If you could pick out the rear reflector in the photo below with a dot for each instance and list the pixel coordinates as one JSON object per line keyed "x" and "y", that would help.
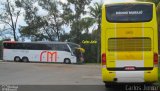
{"x": 155, "y": 58}
{"x": 104, "y": 59}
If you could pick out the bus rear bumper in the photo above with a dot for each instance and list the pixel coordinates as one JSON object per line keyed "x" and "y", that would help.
{"x": 130, "y": 76}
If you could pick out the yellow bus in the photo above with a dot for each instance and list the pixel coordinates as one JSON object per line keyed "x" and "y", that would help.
{"x": 129, "y": 43}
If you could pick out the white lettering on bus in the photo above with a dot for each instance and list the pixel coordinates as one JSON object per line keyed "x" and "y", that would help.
{"x": 122, "y": 12}
{"x": 129, "y": 12}
{"x": 135, "y": 12}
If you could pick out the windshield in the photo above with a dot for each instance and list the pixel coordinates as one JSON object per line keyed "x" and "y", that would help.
{"x": 73, "y": 47}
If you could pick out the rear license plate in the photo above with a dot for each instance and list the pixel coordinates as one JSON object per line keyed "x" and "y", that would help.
{"x": 130, "y": 68}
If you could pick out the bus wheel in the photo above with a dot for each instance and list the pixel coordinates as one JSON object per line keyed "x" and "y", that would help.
{"x": 25, "y": 59}
{"x": 67, "y": 61}
{"x": 17, "y": 59}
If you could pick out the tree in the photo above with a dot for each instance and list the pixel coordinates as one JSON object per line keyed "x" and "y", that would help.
{"x": 87, "y": 23}
{"x": 54, "y": 16}
{"x": 95, "y": 12}
{"x": 42, "y": 27}
{"x": 9, "y": 16}
{"x": 34, "y": 22}
{"x": 72, "y": 15}
{"x": 154, "y": 1}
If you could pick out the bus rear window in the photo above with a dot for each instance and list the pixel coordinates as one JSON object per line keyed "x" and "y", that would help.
{"x": 129, "y": 12}
{"x": 129, "y": 44}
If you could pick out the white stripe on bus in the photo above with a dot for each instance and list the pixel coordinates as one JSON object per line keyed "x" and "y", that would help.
{"x": 123, "y": 63}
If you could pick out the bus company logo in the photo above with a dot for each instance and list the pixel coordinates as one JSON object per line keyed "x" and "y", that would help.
{"x": 49, "y": 55}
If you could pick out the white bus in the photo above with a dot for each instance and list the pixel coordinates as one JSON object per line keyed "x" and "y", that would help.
{"x": 40, "y": 51}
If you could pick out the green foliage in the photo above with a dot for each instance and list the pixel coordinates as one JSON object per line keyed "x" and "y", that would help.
{"x": 91, "y": 49}
{"x": 95, "y": 12}
{"x": 18, "y": 3}
{"x": 87, "y": 22}
{"x": 79, "y": 25}
{"x": 34, "y": 30}
{"x": 154, "y": 1}
{"x": 46, "y": 27}
{"x": 50, "y": 26}
{"x": 65, "y": 37}
{"x": 72, "y": 17}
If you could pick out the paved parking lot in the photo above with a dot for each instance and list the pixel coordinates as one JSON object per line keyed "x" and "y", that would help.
{"x": 49, "y": 74}
{"x": 52, "y": 77}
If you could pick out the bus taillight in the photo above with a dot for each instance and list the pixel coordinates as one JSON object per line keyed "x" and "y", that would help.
{"x": 156, "y": 59}
{"x": 104, "y": 59}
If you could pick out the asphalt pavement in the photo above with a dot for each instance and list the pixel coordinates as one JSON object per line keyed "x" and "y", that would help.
{"x": 16, "y": 76}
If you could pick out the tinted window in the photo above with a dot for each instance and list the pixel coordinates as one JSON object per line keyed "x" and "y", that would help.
{"x": 73, "y": 47}
{"x": 129, "y": 44}
{"x": 62, "y": 47}
{"x": 129, "y": 12}
{"x": 7, "y": 45}
{"x": 36, "y": 46}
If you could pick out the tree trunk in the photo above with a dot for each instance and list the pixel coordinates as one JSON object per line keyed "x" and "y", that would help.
{"x": 13, "y": 26}
{"x": 14, "y": 34}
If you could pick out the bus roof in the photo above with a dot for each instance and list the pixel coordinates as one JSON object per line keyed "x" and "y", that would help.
{"x": 135, "y": 2}
{"x": 41, "y": 42}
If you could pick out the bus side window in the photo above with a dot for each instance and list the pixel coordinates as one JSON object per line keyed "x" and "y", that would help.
{"x": 16, "y": 46}
{"x": 65, "y": 48}
{"x": 53, "y": 46}
{"x": 47, "y": 46}
{"x": 13, "y": 46}
{"x": 28, "y": 46}
{"x": 5, "y": 45}
{"x": 62, "y": 47}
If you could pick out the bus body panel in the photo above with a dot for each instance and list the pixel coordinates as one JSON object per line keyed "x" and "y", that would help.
{"x": 123, "y": 57}
{"x": 116, "y": 61}
{"x": 40, "y": 51}
{"x": 130, "y": 76}
{"x": 39, "y": 55}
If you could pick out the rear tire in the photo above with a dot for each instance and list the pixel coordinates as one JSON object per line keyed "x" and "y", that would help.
{"x": 67, "y": 61}
{"x": 25, "y": 59}
{"x": 17, "y": 59}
